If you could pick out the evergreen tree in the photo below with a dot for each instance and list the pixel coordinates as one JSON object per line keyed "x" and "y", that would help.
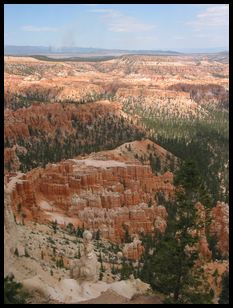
{"x": 13, "y": 293}
{"x": 126, "y": 269}
{"x": 127, "y": 238}
{"x": 78, "y": 232}
{"x": 70, "y": 228}
{"x": 212, "y": 242}
{"x": 158, "y": 164}
{"x": 113, "y": 270}
{"x": 102, "y": 269}
{"x": 97, "y": 237}
{"x": 79, "y": 253}
{"x": 224, "y": 297}
{"x": 172, "y": 253}
{"x": 54, "y": 226}
{"x": 150, "y": 203}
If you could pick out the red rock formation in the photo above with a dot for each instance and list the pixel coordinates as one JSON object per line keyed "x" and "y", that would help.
{"x": 203, "y": 93}
{"x": 100, "y": 193}
{"x": 134, "y": 250}
{"x": 11, "y": 160}
{"x": 203, "y": 247}
{"x": 214, "y": 272}
{"x": 220, "y": 227}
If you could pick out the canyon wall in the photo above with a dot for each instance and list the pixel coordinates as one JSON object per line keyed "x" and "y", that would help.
{"x": 96, "y": 192}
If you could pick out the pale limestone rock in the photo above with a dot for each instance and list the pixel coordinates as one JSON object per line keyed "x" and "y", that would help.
{"x": 21, "y": 250}
{"x": 87, "y": 267}
{"x": 10, "y": 232}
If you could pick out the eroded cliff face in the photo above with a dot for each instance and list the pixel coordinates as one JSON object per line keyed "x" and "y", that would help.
{"x": 66, "y": 107}
{"x": 101, "y": 191}
{"x": 220, "y": 227}
{"x": 51, "y": 132}
{"x": 214, "y": 94}
{"x": 174, "y": 85}
{"x": 213, "y": 270}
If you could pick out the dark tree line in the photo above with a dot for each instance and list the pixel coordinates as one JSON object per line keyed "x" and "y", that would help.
{"x": 104, "y": 133}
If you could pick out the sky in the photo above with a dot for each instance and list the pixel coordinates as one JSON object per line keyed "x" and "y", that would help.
{"x": 118, "y": 26}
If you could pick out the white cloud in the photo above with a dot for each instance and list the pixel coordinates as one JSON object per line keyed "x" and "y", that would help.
{"x": 118, "y": 22}
{"x": 136, "y": 39}
{"x": 30, "y": 28}
{"x": 213, "y": 17}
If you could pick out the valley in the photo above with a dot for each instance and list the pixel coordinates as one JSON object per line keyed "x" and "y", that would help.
{"x": 98, "y": 145}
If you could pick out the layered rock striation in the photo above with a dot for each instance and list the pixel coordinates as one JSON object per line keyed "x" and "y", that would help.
{"x": 95, "y": 192}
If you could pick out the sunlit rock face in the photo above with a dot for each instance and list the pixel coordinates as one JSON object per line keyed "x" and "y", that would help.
{"x": 103, "y": 191}
{"x": 87, "y": 267}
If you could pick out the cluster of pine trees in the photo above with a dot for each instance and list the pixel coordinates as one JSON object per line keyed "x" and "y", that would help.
{"x": 202, "y": 139}
{"x": 104, "y": 133}
{"x": 167, "y": 264}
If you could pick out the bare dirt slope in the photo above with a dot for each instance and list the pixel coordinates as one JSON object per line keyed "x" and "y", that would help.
{"x": 111, "y": 297}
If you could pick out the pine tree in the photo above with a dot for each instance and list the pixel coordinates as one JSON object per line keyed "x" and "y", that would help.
{"x": 126, "y": 269}
{"x": 127, "y": 238}
{"x": 179, "y": 279}
{"x": 97, "y": 237}
{"x": 123, "y": 270}
{"x": 70, "y": 228}
{"x": 54, "y": 226}
{"x": 150, "y": 203}
{"x": 224, "y": 297}
{"x": 13, "y": 293}
{"x": 79, "y": 253}
{"x": 113, "y": 270}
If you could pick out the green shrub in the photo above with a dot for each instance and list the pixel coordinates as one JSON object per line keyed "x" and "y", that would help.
{"x": 13, "y": 293}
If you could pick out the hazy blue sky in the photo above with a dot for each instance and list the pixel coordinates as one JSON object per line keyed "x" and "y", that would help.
{"x": 122, "y": 26}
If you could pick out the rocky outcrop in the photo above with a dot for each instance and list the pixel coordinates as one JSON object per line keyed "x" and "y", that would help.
{"x": 98, "y": 192}
{"x": 220, "y": 227}
{"x": 11, "y": 160}
{"x": 203, "y": 246}
{"x": 10, "y": 231}
{"x": 214, "y": 272}
{"x": 134, "y": 250}
{"x": 51, "y": 132}
{"x": 204, "y": 93}
{"x": 69, "y": 291}
{"x": 87, "y": 267}
{"x": 46, "y": 118}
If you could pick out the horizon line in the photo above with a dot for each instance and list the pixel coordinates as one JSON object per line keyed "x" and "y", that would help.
{"x": 119, "y": 49}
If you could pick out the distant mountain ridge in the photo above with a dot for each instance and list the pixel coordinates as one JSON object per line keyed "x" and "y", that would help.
{"x": 43, "y": 50}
